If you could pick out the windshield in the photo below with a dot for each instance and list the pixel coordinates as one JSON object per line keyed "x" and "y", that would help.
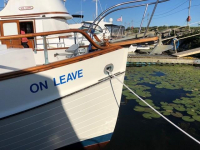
{"x": 86, "y": 25}
{"x": 116, "y": 30}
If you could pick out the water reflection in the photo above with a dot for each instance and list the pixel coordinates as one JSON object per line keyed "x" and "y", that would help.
{"x": 133, "y": 131}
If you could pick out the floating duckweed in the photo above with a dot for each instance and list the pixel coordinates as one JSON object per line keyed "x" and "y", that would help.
{"x": 192, "y": 113}
{"x": 147, "y": 116}
{"x": 166, "y": 113}
{"x": 176, "y": 77}
{"x": 142, "y": 104}
{"x": 173, "y": 105}
{"x": 188, "y": 119}
{"x": 167, "y": 107}
{"x": 129, "y": 95}
{"x": 155, "y": 115}
{"x": 151, "y": 115}
{"x": 170, "y": 111}
{"x": 189, "y": 105}
{"x": 139, "y": 109}
{"x": 164, "y": 103}
{"x": 150, "y": 102}
{"x": 152, "y": 82}
{"x": 197, "y": 118}
{"x": 142, "y": 109}
{"x": 178, "y": 101}
{"x": 177, "y": 114}
{"x": 180, "y": 108}
{"x": 194, "y": 93}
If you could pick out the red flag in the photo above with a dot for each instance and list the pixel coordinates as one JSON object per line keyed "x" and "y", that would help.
{"x": 119, "y": 19}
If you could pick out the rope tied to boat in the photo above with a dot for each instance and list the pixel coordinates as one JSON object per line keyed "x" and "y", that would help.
{"x": 113, "y": 76}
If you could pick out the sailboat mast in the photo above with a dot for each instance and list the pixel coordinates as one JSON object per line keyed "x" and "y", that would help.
{"x": 189, "y": 17}
{"x": 96, "y": 8}
{"x": 5, "y": 2}
{"x": 81, "y": 11}
{"x": 189, "y": 12}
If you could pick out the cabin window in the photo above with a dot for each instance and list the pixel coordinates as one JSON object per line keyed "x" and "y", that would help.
{"x": 27, "y": 26}
{"x": 10, "y": 28}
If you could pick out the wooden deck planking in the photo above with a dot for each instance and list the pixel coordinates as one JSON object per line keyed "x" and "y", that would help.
{"x": 188, "y": 52}
{"x": 159, "y": 59}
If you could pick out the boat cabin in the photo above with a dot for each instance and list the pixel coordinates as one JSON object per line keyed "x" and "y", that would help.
{"x": 32, "y": 17}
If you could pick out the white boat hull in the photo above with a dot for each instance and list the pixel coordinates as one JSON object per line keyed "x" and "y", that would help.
{"x": 71, "y": 112}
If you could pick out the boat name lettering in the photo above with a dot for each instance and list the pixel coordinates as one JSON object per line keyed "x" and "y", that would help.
{"x": 36, "y": 87}
{"x": 67, "y": 78}
{"x": 26, "y": 8}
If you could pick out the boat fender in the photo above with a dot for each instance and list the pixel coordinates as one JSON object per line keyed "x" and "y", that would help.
{"x": 177, "y": 43}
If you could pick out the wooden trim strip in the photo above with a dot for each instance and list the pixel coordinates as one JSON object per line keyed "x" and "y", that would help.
{"x": 27, "y": 16}
{"x": 54, "y": 32}
{"x": 54, "y": 65}
{"x": 96, "y": 38}
{"x": 123, "y": 43}
{"x": 31, "y": 15}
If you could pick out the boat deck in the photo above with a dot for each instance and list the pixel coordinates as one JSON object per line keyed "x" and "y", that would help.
{"x": 187, "y": 53}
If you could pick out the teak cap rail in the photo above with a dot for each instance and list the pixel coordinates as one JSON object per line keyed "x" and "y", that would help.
{"x": 54, "y": 32}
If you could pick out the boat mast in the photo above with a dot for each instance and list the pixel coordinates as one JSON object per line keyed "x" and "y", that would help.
{"x": 96, "y": 8}
{"x": 64, "y": 2}
{"x": 189, "y": 18}
{"x": 5, "y": 2}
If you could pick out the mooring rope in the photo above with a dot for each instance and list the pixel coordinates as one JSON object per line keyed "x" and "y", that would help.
{"x": 112, "y": 75}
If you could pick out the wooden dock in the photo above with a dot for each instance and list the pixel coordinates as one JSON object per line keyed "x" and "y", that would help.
{"x": 161, "y": 59}
{"x": 187, "y": 53}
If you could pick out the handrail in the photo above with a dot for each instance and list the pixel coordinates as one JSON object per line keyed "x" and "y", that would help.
{"x": 108, "y": 9}
{"x": 54, "y": 32}
{"x": 128, "y": 8}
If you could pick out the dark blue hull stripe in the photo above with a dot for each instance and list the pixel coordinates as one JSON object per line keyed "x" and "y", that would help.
{"x": 97, "y": 140}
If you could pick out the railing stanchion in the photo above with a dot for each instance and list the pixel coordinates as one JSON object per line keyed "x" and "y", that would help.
{"x": 45, "y": 50}
{"x": 75, "y": 34}
{"x": 35, "y": 45}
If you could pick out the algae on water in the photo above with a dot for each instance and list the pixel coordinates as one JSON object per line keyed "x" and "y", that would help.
{"x": 186, "y": 78}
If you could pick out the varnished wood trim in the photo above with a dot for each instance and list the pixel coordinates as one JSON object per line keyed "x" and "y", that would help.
{"x": 54, "y": 32}
{"x": 96, "y": 38}
{"x": 123, "y": 43}
{"x": 134, "y": 41}
{"x": 31, "y": 15}
{"x": 26, "y": 16}
{"x": 57, "y": 64}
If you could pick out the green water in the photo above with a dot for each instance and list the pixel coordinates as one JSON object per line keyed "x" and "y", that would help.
{"x": 172, "y": 90}
{"x": 186, "y": 78}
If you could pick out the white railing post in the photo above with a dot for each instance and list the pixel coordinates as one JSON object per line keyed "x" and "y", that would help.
{"x": 45, "y": 50}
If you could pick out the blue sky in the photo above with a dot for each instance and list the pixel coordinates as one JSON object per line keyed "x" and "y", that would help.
{"x": 173, "y": 12}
